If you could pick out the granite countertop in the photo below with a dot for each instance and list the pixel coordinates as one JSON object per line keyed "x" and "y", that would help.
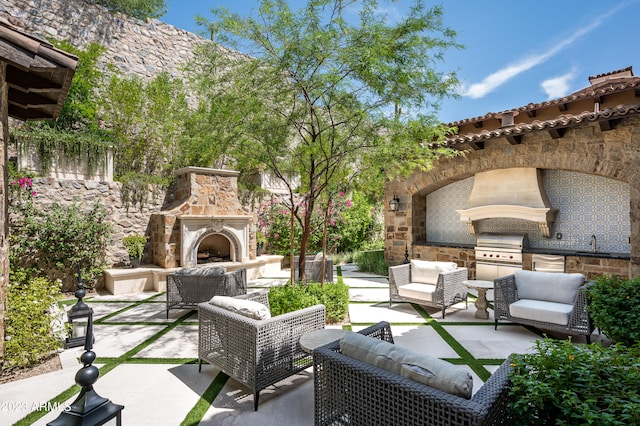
{"x": 559, "y": 252}
{"x": 583, "y": 253}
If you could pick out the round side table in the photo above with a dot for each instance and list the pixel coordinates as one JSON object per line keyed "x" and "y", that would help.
{"x": 481, "y": 286}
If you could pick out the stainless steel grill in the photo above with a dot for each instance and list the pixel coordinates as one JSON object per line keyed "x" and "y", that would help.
{"x": 498, "y": 255}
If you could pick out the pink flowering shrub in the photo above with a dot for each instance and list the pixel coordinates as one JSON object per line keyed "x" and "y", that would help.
{"x": 349, "y": 224}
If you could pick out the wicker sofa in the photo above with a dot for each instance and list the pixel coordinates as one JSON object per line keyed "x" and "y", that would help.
{"x": 352, "y": 392}
{"x": 256, "y": 352}
{"x": 547, "y": 300}
{"x": 430, "y": 283}
{"x": 189, "y": 286}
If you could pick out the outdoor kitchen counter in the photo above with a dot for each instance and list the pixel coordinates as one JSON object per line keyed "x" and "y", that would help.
{"x": 559, "y": 252}
{"x": 582, "y": 253}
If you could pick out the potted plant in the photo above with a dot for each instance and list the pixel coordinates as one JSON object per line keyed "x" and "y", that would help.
{"x": 135, "y": 247}
{"x": 261, "y": 239}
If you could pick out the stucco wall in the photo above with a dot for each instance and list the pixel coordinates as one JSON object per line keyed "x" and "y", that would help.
{"x": 587, "y": 149}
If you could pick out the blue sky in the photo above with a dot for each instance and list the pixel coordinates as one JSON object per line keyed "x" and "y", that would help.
{"x": 515, "y": 53}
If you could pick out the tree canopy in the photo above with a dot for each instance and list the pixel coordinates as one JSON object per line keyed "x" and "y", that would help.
{"x": 141, "y": 9}
{"x": 327, "y": 96}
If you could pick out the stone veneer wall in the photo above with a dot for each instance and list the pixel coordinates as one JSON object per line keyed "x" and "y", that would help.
{"x": 587, "y": 149}
{"x": 133, "y": 46}
{"x": 126, "y": 221}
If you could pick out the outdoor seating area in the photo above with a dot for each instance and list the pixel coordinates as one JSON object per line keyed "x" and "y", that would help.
{"x": 150, "y": 364}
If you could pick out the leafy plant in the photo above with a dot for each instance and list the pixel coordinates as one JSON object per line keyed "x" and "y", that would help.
{"x": 31, "y": 303}
{"x": 135, "y": 245}
{"x": 59, "y": 238}
{"x": 372, "y": 261}
{"x": 288, "y": 298}
{"x": 615, "y": 307}
{"x": 566, "y": 384}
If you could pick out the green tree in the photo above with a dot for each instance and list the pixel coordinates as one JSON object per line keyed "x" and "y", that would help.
{"x": 324, "y": 99}
{"x": 141, "y": 9}
{"x": 146, "y": 121}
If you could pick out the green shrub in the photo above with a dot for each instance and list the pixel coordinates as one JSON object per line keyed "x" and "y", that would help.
{"x": 34, "y": 326}
{"x": 615, "y": 308}
{"x": 289, "y": 298}
{"x": 566, "y": 384}
{"x": 56, "y": 239}
{"x": 372, "y": 261}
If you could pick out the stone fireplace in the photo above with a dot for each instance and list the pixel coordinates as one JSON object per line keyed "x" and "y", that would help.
{"x": 206, "y": 223}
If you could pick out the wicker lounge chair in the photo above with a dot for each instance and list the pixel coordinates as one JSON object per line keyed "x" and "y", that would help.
{"x": 189, "y": 286}
{"x": 438, "y": 290}
{"x": 257, "y": 353}
{"x": 351, "y": 392}
{"x": 547, "y": 300}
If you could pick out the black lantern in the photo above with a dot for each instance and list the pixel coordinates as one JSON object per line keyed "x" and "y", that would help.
{"x": 89, "y": 408}
{"x": 394, "y": 203}
{"x": 78, "y": 317}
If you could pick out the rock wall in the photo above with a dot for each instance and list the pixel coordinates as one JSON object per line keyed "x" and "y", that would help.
{"x": 133, "y": 46}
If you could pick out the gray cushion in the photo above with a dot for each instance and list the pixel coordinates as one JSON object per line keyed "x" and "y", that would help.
{"x": 540, "y": 310}
{"x": 247, "y": 308}
{"x": 421, "y": 368}
{"x": 556, "y": 287}
{"x": 210, "y": 272}
{"x": 427, "y": 271}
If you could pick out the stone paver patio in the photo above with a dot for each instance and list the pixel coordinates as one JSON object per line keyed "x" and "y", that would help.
{"x": 148, "y": 363}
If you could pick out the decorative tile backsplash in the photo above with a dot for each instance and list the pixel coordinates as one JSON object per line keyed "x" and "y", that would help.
{"x": 587, "y": 205}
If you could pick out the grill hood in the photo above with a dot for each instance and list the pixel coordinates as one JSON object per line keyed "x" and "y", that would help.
{"x": 515, "y": 193}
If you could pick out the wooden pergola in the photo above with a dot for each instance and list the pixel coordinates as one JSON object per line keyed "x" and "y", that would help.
{"x": 34, "y": 81}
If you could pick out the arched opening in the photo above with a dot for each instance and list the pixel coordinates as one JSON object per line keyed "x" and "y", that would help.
{"x": 214, "y": 248}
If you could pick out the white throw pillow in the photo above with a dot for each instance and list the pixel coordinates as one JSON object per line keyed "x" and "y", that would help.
{"x": 421, "y": 368}
{"x": 247, "y": 308}
{"x": 427, "y": 271}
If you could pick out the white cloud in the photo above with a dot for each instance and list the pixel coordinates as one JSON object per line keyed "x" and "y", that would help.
{"x": 498, "y": 78}
{"x": 558, "y": 87}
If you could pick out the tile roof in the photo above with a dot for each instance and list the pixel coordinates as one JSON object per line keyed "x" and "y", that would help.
{"x": 602, "y": 85}
{"x": 562, "y": 121}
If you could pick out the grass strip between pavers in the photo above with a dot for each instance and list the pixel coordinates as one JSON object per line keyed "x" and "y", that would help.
{"x": 198, "y": 411}
{"x": 465, "y": 356}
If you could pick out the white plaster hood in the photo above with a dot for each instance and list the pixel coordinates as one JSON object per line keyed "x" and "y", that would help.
{"x": 515, "y": 193}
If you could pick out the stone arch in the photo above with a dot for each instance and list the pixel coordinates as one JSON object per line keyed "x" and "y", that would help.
{"x": 208, "y": 232}
{"x": 586, "y": 149}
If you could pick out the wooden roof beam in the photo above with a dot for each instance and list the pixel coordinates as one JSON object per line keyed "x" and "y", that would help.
{"x": 27, "y": 100}
{"x": 557, "y": 133}
{"x": 477, "y": 146}
{"x": 29, "y": 82}
{"x": 514, "y": 139}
